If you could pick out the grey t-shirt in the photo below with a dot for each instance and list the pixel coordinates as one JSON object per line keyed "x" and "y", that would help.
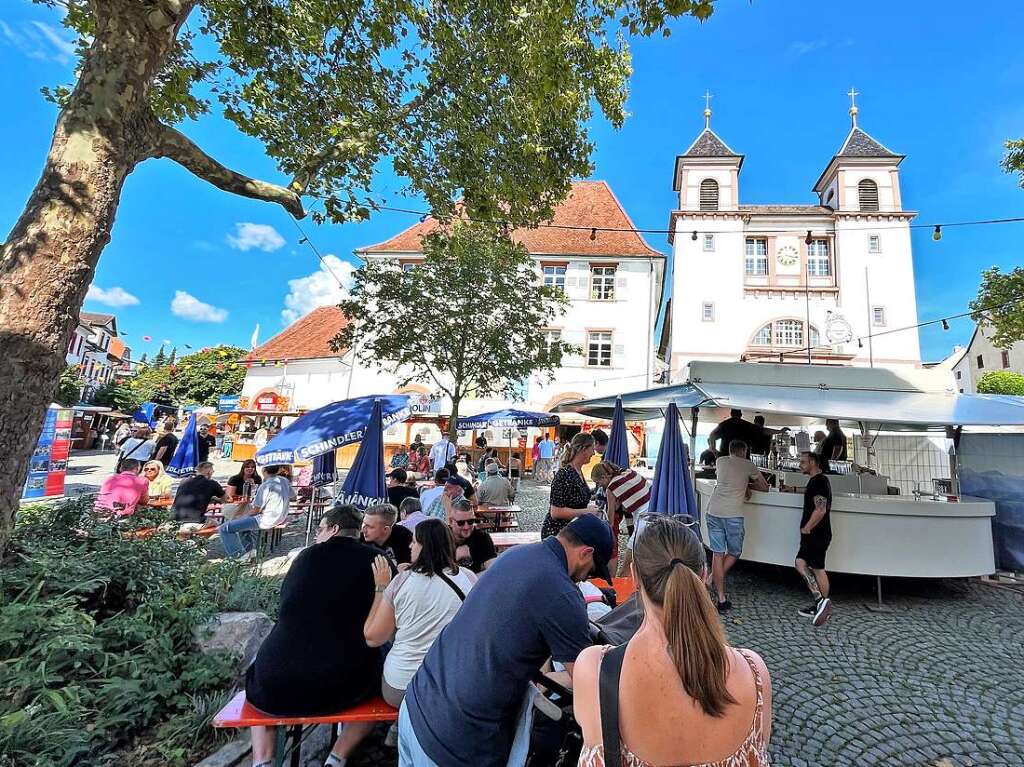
{"x": 730, "y": 495}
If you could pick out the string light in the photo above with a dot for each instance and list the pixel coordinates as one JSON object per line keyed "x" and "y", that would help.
{"x": 694, "y": 237}
{"x": 937, "y": 234}
{"x": 945, "y": 324}
{"x": 807, "y": 239}
{"x": 593, "y": 233}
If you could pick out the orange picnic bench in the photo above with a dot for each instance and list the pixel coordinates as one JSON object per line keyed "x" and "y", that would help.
{"x": 239, "y": 713}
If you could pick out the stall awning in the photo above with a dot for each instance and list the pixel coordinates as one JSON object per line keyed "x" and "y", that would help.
{"x": 900, "y": 401}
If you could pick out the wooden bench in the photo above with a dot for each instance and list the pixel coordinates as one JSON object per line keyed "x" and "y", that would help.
{"x": 149, "y": 532}
{"x": 239, "y": 713}
{"x": 504, "y": 541}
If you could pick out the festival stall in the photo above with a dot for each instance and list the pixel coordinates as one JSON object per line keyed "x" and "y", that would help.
{"x": 925, "y": 535}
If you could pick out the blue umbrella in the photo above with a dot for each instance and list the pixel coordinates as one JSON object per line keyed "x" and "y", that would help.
{"x": 506, "y": 419}
{"x": 324, "y": 469}
{"x": 186, "y": 456}
{"x": 617, "y": 452}
{"x": 327, "y": 428}
{"x": 672, "y": 490}
{"x": 365, "y": 484}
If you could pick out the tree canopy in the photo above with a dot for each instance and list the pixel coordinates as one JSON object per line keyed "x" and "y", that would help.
{"x": 478, "y": 307}
{"x": 1001, "y": 382}
{"x": 1000, "y": 305}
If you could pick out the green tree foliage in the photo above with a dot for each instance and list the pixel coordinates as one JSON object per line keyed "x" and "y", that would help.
{"x": 1000, "y": 305}
{"x": 70, "y": 386}
{"x": 160, "y": 359}
{"x": 1013, "y": 160}
{"x": 174, "y": 356}
{"x": 96, "y": 636}
{"x": 202, "y": 377}
{"x": 479, "y": 309}
{"x": 142, "y": 359}
{"x": 1001, "y": 382}
{"x": 153, "y": 384}
{"x": 120, "y": 395}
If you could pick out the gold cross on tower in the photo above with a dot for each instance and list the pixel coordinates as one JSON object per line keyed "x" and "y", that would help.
{"x": 707, "y": 108}
{"x": 853, "y": 94}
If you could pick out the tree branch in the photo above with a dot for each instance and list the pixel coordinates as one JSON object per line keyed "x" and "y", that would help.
{"x": 170, "y": 143}
{"x": 303, "y": 178}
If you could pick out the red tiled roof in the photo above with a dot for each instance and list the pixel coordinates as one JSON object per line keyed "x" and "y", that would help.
{"x": 307, "y": 338}
{"x": 589, "y": 204}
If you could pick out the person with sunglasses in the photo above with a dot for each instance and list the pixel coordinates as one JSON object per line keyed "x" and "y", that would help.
{"x": 473, "y": 547}
{"x": 159, "y": 480}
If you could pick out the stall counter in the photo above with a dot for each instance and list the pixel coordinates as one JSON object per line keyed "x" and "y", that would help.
{"x": 873, "y": 534}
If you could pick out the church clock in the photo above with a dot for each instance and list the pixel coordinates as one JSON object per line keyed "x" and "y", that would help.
{"x": 787, "y": 255}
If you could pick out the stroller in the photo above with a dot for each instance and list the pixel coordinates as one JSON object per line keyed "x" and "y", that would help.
{"x": 556, "y": 739}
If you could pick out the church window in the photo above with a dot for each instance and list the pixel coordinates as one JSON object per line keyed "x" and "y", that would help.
{"x": 764, "y": 336}
{"x": 602, "y": 283}
{"x": 874, "y": 243}
{"x": 709, "y": 243}
{"x": 709, "y": 194}
{"x": 784, "y": 332}
{"x": 756, "y": 262}
{"x": 867, "y": 192}
{"x": 818, "y": 262}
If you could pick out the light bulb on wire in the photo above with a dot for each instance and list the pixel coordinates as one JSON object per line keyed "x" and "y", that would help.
{"x": 593, "y": 234}
{"x": 807, "y": 240}
{"x": 694, "y": 237}
{"x": 945, "y": 324}
{"x": 937, "y": 234}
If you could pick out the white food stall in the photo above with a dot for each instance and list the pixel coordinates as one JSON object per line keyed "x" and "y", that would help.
{"x": 878, "y": 534}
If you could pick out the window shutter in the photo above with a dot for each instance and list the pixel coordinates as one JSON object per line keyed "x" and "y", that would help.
{"x": 867, "y": 193}
{"x": 709, "y": 194}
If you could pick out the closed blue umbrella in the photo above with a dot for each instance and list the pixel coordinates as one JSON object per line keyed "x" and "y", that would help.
{"x": 672, "y": 489}
{"x": 324, "y": 469}
{"x": 332, "y": 426}
{"x": 617, "y": 451}
{"x": 365, "y": 484}
{"x": 186, "y": 456}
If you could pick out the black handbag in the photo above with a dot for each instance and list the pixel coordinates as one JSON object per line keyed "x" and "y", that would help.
{"x": 618, "y": 626}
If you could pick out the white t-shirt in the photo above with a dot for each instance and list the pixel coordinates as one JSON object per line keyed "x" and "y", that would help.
{"x": 424, "y": 604}
{"x": 734, "y": 475}
{"x": 272, "y": 500}
{"x": 142, "y": 454}
{"x": 442, "y": 452}
{"x": 430, "y": 495}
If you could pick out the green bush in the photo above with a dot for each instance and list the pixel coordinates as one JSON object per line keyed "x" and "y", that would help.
{"x": 1001, "y": 382}
{"x": 96, "y": 637}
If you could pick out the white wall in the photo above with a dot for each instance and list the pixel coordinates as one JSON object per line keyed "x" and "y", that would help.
{"x": 992, "y": 356}
{"x": 725, "y": 175}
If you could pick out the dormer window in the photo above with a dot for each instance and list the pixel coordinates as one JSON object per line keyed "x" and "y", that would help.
{"x": 867, "y": 193}
{"x": 709, "y": 194}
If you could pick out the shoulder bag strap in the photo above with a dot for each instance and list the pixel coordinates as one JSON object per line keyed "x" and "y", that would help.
{"x": 450, "y": 582}
{"x": 608, "y": 688}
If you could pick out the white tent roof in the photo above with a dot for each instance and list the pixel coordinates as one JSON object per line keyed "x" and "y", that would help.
{"x": 916, "y": 400}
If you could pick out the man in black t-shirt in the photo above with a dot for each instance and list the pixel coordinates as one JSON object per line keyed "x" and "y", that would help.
{"x": 398, "y": 490}
{"x": 733, "y": 427}
{"x": 167, "y": 444}
{"x": 204, "y": 442}
{"x": 833, "y": 447}
{"x": 195, "y": 494}
{"x": 380, "y": 529}
{"x": 473, "y": 548}
{"x": 815, "y": 537}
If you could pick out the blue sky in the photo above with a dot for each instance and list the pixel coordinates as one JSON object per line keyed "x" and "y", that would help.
{"x": 940, "y": 82}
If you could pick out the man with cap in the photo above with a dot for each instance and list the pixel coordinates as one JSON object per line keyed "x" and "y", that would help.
{"x": 441, "y": 506}
{"x": 495, "y": 490}
{"x": 398, "y": 489}
{"x": 461, "y": 708}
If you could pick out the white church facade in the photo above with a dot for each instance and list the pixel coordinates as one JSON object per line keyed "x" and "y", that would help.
{"x": 792, "y": 283}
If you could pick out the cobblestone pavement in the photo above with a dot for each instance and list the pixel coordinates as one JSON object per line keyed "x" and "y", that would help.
{"x": 939, "y": 682}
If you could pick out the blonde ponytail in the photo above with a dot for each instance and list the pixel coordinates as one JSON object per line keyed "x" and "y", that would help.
{"x": 580, "y": 442}
{"x": 668, "y": 557}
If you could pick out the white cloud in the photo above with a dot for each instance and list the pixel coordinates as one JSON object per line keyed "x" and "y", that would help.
{"x": 320, "y": 288}
{"x": 38, "y": 41}
{"x": 260, "y": 236}
{"x": 114, "y": 296}
{"x": 803, "y": 47}
{"x": 189, "y": 307}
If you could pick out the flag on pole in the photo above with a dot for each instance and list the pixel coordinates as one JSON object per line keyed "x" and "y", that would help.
{"x": 255, "y": 337}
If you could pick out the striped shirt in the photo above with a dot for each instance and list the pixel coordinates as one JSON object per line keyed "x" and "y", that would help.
{"x": 631, "y": 491}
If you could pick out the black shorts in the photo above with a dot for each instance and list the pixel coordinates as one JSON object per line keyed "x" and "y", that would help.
{"x": 813, "y": 549}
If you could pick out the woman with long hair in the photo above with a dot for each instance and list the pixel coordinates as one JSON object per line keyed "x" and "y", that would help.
{"x": 415, "y": 605}
{"x": 684, "y": 695}
{"x": 159, "y": 480}
{"x": 245, "y": 482}
{"x": 570, "y": 493}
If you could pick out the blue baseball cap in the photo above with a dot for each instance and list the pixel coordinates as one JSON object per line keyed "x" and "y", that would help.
{"x": 593, "y": 531}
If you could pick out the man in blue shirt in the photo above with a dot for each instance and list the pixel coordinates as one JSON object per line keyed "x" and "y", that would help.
{"x": 545, "y": 452}
{"x": 461, "y": 707}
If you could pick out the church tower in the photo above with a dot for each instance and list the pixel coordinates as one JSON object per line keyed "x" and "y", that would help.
{"x": 707, "y": 173}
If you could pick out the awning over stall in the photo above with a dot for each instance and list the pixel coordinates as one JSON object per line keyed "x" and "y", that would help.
{"x": 915, "y": 400}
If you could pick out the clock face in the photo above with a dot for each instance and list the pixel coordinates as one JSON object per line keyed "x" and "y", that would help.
{"x": 787, "y": 255}
{"x": 838, "y": 330}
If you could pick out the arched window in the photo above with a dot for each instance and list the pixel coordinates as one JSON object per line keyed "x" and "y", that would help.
{"x": 784, "y": 333}
{"x": 709, "y": 194}
{"x": 867, "y": 192}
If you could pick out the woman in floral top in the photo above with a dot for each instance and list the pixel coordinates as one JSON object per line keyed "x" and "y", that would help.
{"x": 570, "y": 493}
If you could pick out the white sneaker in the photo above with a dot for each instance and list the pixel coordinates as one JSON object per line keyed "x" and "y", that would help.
{"x": 823, "y": 612}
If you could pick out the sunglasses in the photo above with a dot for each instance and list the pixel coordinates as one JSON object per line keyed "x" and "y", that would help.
{"x": 464, "y": 522}
{"x": 152, "y": 469}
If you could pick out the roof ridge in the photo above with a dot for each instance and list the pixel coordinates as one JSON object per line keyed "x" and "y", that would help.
{"x": 707, "y": 129}
{"x": 857, "y": 129}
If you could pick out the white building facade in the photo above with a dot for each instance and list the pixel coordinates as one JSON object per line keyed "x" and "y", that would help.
{"x": 982, "y": 356}
{"x": 792, "y": 283}
{"x": 614, "y": 283}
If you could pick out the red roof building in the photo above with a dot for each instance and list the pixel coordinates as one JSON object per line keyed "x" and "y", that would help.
{"x": 305, "y": 339}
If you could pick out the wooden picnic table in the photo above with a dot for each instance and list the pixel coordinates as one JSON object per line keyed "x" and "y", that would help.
{"x": 504, "y": 541}
{"x": 159, "y": 503}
